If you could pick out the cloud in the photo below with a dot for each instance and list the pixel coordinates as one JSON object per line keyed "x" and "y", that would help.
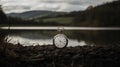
{"x": 54, "y": 5}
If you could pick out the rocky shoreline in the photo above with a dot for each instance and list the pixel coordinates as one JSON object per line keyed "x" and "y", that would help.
{"x": 49, "y": 56}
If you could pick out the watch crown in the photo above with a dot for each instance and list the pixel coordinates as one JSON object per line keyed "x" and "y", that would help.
{"x": 60, "y": 29}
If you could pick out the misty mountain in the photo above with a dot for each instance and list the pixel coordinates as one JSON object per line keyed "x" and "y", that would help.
{"x": 36, "y": 14}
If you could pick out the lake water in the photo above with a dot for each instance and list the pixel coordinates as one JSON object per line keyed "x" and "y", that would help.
{"x": 35, "y": 38}
{"x": 38, "y": 38}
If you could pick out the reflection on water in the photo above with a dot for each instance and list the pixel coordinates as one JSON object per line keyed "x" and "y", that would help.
{"x": 27, "y": 39}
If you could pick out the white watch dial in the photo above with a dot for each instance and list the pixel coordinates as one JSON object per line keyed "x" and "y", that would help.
{"x": 60, "y": 41}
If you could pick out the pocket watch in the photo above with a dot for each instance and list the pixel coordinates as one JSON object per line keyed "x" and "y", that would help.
{"x": 60, "y": 40}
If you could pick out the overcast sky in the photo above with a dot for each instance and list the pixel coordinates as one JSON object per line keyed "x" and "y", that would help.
{"x": 11, "y": 6}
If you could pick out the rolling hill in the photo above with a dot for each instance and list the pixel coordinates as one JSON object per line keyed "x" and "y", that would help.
{"x": 36, "y": 14}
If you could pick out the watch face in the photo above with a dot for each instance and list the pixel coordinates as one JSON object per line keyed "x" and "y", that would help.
{"x": 60, "y": 41}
